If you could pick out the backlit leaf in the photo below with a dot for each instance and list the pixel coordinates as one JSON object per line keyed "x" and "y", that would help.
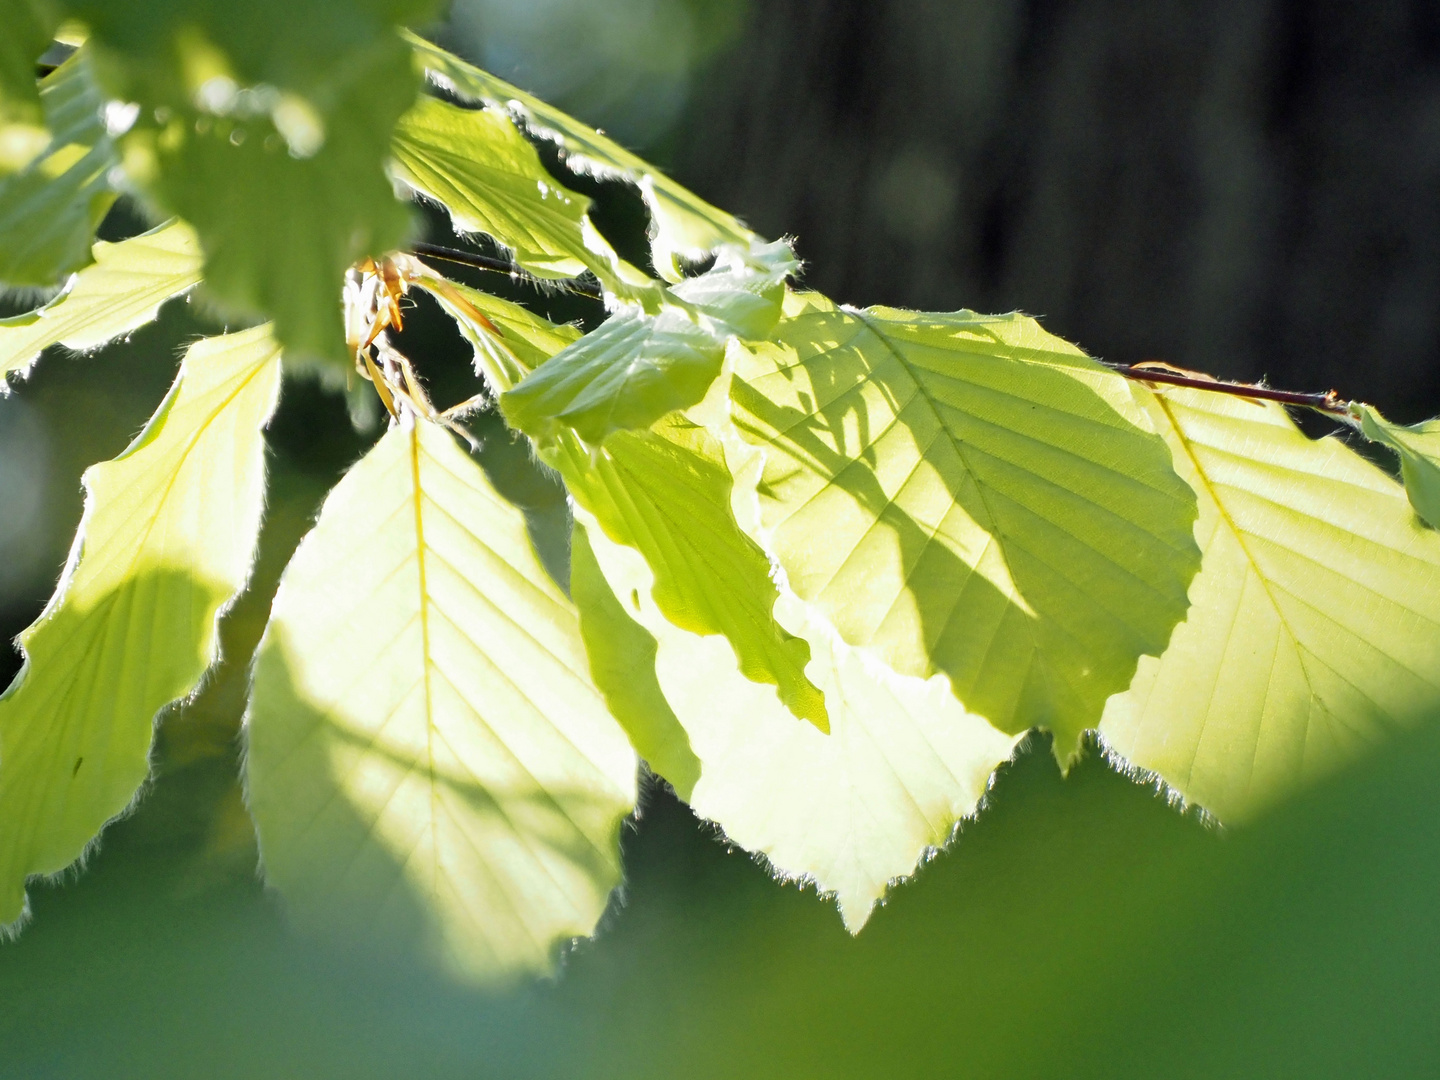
{"x": 684, "y": 225}
{"x": 1314, "y": 627}
{"x": 622, "y": 663}
{"x": 120, "y": 292}
{"x": 271, "y": 144}
{"x": 429, "y": 764}
{"x": 967, "y": 494}
{"x": 488, "y": 176}
{"x": 852, "y": 810}
{"x": 166, "y": 541}
{"x": 49, "y": 208}
{"x": 639, "y": 365}
{"x": 1419, "y": 450}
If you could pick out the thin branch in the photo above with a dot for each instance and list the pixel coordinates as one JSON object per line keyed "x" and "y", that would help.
{"x": 489, "y": 262}
{"x": 1329, "y": 402}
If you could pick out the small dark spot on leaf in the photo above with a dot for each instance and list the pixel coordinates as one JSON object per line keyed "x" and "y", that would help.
{"x": 75, "y": 770}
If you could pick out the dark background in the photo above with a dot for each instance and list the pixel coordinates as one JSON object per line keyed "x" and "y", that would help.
{"x": 1250, "y": 188}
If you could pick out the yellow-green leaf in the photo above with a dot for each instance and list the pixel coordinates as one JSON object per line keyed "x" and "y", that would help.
{"x": 666, "y": 493}
{"x": 968, "y": 494}
{"x": 850, "y": 811}
{"x": 488, "y": 176}
{"x": 622, "y": 662}
{"x": 429, "y": 765}
{"x": 1314, "y": 627}
{"x": 685, "y": 226}
{"x": 120, "y": 292}
{"x": 1419, "y": 450}
{"x": 166, "y": 540}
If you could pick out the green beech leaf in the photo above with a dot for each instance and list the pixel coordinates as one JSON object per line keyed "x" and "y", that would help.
{"x": 1314, "y": 627}
{"x": 272, "y": 145}
{"x": 685, "y": 226}
{"x": 488, "y": 176}
{"x": 638, "y": 366}
{"x": 968, "y": 494}
{"x": 630, "y": 371}
{"x": 1419, "y": 450}
{"x": 666, "y": 493}
{"x": 622, "y": 663}
{"x": 852, "y": 810}
{"x": 121, "y": 291}
{"x": 29, "y": 25}
{"x": 49, "y": 208}
{"x": 166, "y": 541}
{"x": 428, "y": 762}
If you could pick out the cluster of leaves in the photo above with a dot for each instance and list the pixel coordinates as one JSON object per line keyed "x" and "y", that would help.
{"x": 828, "y": 565}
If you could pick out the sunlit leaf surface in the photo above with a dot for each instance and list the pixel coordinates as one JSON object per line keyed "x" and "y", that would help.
{"x": 968, "y": 494}
{"x": 487, "y": 175}
{"x": 851, "y": 810}
{"x": 685, "y": 226}
{"x": 1314, "y": 629}
{"x": 167, "y": 539}
{"x": 428, "y": 763}
{"x": 121, "y": 291}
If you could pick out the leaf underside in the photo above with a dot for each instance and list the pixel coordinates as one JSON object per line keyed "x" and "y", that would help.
{"x": 1314, "y": 629}
{"x": 166, "y": 541}
{"x": 1418, "y": 447}
{"x": 969, "y": 495}
{"x": 428, "y": 764}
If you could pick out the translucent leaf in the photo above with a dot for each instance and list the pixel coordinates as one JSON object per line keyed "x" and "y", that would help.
{"x": 49, "y": 209}
{"x": 637, "y": 366}
{"x": 684, "y": 225}
{"x": 967, "y": 494}
{"x": 488, "y": 176}
{"x": 120, "y": 292}
{"x": 622, "y": 663}
{"x": 429, "y": 764}
{"x": 166, "y": 540}
{"x": 1419, "y": 450}
{"x": 271, "y": 144}
{"x": 627, "y": 373}
{"x": 666, "y": 493}
{"x": 852, "y": 810}
{"x": 1314, "y": 628}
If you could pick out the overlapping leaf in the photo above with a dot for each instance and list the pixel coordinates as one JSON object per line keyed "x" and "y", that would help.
{"x": 622, "y": 662}
{"x": 852, "y": 810}
{"x": 967, "y": 494}
{"x": 50, "y": 207}
{"x": 639, "y": 365}
{"x": 665, "y": 493}
{"x": 272, "y": 145}
{"x": 28, "y": 26}
{"x": 1419, "y": 449}
{"x": 167, "y": 539}
{"x": 428, "y": 762}
{"x": 684, "y": 225}
{"x": 476, "y": 164}
{"x": 1314, "y": 627}
{"x": 121, "y": 291}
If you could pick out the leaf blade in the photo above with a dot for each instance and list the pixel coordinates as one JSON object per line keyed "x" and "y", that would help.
{"x": 1418, "y": 447}
{"x": 167, "y": 540}
{"x": 422, "y": 688}
{"x": 121, "y": 291}
{"x": 1314, "y": 626}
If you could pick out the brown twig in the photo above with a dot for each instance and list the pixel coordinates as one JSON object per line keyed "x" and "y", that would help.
{"x": 1329, "y": 402}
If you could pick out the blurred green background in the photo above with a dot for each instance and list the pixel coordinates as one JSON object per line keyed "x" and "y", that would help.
{"x": 1249, "y": 187}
